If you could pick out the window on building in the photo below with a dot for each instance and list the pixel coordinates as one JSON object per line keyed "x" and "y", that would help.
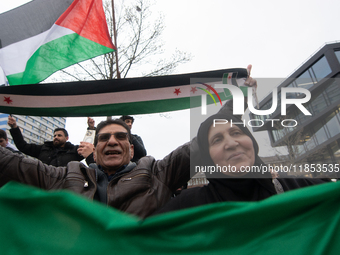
{"x": 333, "y": 91}
{"x": 318, "y": 104}
{"x": 332, "y": 124}
{"x": 304, "y": 80}
{"x": 337, "y": 54}
{"x": 321, "y": 68}
{"x": 320, "y": 133}
{"x": 276, "y": 135}
{"x": 336, "y": 151}
{"x": 309, "y": 141}
{"x": 20, "y": 122}
{"x": 299, "y": 149}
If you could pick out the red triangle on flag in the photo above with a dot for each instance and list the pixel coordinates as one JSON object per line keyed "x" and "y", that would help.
{"x": 87, "y": 18}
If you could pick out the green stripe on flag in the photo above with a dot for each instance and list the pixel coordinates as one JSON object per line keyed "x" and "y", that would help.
{"x": 142, "y": 107}
{"x": 56, "y": 55}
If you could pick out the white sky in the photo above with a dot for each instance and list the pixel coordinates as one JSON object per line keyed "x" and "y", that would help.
{"x": 276, "y": 37}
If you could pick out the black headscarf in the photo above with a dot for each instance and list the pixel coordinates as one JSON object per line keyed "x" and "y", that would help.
{"x": 225, "y": 188}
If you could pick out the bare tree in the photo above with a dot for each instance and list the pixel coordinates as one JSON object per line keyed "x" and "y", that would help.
{"x": 140, "y": 46}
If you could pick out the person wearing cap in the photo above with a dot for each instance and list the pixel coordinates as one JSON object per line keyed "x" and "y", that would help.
{"x": 137, "y": 141}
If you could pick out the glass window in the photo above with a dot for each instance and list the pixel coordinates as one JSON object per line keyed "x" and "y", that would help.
{"x": 336, "y": 151}
{"x": 321, "y": 68}
{"x": 337, "y": 54}
{"x": 276, "y": 135}
{"x": 299, "y": 149}
{"x": 257, "y": 122}
{"x": 304, "y": 80}
{"x": 302, "y": 117}
{"x": 320, "y": 133}
{"x": 333, "y": 91}
{"x": 318, "y": 104}
{"x": 290, "y": 95}
{"x": 20, "y": 122}
{"x": 309, "y": 141}
{"x": 332, "y": 124}
{"x": 321, "y": 156}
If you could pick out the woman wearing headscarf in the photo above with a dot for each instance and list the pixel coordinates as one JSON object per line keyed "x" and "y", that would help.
{"x": 231, "y": 146}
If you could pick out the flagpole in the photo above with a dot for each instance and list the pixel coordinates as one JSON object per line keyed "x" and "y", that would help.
{"x": 115, "y": 38}
{"x": 115, "y": 43}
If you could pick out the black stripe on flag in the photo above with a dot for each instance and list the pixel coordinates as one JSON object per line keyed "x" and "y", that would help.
{"x": 30, "y": 19}
{"x": 116, "y": 85}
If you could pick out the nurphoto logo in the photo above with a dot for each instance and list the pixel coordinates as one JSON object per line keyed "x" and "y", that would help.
{"x": 238, "y": 102}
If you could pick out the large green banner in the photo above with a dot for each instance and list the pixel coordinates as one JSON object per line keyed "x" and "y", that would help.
{"x": 304, "y": 221}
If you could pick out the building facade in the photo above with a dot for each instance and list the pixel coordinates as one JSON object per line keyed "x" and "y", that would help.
{"x": 35, "y": 130}
{"x": 315, "y": 138}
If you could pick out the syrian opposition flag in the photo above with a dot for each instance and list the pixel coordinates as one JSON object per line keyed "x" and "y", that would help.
{"x": 116, "y": 97}
{"x": 44, "y": 36}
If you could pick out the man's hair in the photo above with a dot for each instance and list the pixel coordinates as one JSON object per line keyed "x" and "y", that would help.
{"x": 105, "y": 123}
{"x": 127, "y": 117}
{"x": 61, "y": 129}
{"x": 3, "y": 134}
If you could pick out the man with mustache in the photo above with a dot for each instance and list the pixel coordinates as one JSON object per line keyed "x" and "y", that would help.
{"x": 58, "y": 152}
{"x": 138, "y": 188}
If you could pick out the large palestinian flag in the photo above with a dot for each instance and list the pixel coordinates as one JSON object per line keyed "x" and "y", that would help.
{"x": 44, "y": 36}
{"x": 120, "y": 96}
{"x": 303, "y": 221}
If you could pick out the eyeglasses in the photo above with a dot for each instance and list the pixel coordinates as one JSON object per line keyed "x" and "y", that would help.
{"x": 104, "y": 137}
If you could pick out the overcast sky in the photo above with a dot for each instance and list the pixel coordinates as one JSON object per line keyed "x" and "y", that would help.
{"x": 276, "y": 37}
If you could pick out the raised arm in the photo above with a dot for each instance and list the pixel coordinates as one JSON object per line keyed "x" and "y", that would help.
{"x": 27, "y": 148}
{"x": 15, "y": 167}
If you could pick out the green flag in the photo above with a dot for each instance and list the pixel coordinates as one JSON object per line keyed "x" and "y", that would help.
{"x": 304, "y": 221}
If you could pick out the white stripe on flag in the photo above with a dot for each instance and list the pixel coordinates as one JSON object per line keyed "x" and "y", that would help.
{"x": 13, "y": 58}
{"x": 102, "y": 98}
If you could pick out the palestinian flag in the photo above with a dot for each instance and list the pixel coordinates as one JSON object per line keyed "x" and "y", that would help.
{"x": 44, "y": 36}
{"x": 302, "y": 221}
{"x": 114, "y": 97}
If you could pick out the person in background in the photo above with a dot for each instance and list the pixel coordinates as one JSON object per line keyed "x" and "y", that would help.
{"x": 137, "y": 141}
{"x": 4, "y": 142}
{"x": 58, "y": 152}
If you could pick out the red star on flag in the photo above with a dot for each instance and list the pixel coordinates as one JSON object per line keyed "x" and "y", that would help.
{"x": 193, "y": 90}
{"x": 8, "y": 100}
{"x": 177, "y": 91}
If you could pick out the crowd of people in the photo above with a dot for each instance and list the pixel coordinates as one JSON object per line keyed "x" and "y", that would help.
{"x": 120, "y": 174}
